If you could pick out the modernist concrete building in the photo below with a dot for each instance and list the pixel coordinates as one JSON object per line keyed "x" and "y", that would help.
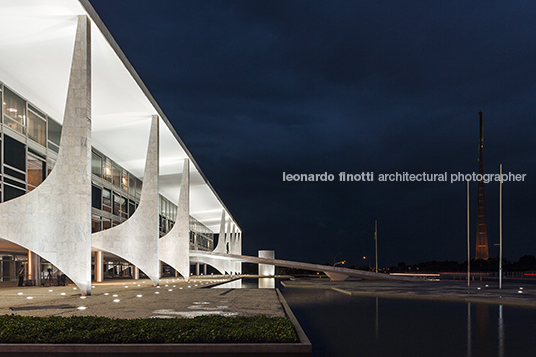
{"x": 95, "y": 181}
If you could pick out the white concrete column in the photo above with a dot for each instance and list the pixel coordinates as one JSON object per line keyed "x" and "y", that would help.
{"x": 204, "y": 269}
{"x": 99, "y": 266}
{"x": 175, "y": 245}
{"x": 135, "y": 272}
{"x": 267, "y": 269}
{"x": 54, "y": 220}
{"x": 136, "y": 239}
{"x": 220, "y": 247}
{"x": 197, "y": 269}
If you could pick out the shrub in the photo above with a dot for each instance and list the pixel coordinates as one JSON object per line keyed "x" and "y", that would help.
{"x": 94, "y": 329}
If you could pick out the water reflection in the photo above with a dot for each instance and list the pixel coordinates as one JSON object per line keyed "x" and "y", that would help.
{"x": 482, "y": 326}
{"x": 266, "y": 283}
{"x": 469, "y": 329}
{"x": 501, "y": 332}
{"x": 341, "y": 325}
{"x": 377, "y": 321}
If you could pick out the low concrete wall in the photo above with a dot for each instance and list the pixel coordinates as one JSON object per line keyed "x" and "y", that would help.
{"x": 193, "y": 349}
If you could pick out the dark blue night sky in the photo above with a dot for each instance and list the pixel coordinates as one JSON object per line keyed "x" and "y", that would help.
{"x": 258, "y": 88}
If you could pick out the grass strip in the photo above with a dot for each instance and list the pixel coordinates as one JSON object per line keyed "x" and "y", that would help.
{"x": 95, "y": 329}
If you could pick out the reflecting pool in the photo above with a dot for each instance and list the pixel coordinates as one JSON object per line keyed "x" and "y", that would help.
{"x": 342, "y": 325}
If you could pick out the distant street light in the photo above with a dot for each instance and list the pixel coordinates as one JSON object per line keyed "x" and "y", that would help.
{"x": 365, "y": 258}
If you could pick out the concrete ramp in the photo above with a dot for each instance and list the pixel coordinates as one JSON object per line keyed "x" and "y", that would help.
{"x": 334, "y": 273}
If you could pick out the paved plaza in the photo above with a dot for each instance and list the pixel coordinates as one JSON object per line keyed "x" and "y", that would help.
{"x": 176, "y": 298}
{"x": 139, "y": 299}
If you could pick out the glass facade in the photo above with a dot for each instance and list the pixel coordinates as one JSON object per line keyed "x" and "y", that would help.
{"x": 29, "y": 143}
{"x": 201, "y": 238}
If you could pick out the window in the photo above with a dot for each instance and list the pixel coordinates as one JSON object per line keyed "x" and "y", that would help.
{"x": 106, "y": 223}
{"x": 119, "y": 203}
{"x": 117, "y": 176}
{"x": 106, "y": 200}
{"x": 96, "y": 164}
{"x": 54, "y": 135}
{"x": 96, "y": 197}
{"x": 36, "y": 171}
{"x": 36, "y": 128}
{"x": 131, "y": 208}
{"x": 107, "y": 174}
{"x": 11, "y": 192}
{"x": 14, "y": 111}
{"x": 123, "y": 203}
{"x": 124, "y": 181}
{"x": 14, "y": 153}
{"x": 96, "y": 224}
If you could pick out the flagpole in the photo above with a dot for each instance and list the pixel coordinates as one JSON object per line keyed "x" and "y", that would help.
{"x": 500, "y": 230}
{"x": 468, "y": 241}
{"x": 376, "y": 242}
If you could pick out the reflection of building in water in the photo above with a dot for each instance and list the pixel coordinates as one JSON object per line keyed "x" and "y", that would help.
{"x": 266, "y": 283}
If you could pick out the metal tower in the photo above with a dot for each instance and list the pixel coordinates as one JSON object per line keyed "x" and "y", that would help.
{"x": 482, "y": 250}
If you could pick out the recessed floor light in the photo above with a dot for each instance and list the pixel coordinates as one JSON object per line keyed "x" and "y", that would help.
{"x": 115, "y": 295}
{"x": 63, "y": 294}
{"x": 83, "y": 297}
{"x": 156, "y": 292}
{"x": 19, "y": 293}
{"x": 116, "y": 300}
{"x": 31, "y": 297}
{"x": 139, "y": 295}
{"x": 106, "y": 293}
{"x": 81, "y": 307}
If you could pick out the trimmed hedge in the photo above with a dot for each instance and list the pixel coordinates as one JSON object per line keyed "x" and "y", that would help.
{"x": 94, "y": 329}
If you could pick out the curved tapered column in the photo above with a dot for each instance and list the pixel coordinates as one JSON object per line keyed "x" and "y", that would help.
{"x": 136, "y": 240}
{"x": 175, "y": 245}
{"x": 220, "y": 247}
{"x": 239, "y": 249}
{"x": 54, "y": 220}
